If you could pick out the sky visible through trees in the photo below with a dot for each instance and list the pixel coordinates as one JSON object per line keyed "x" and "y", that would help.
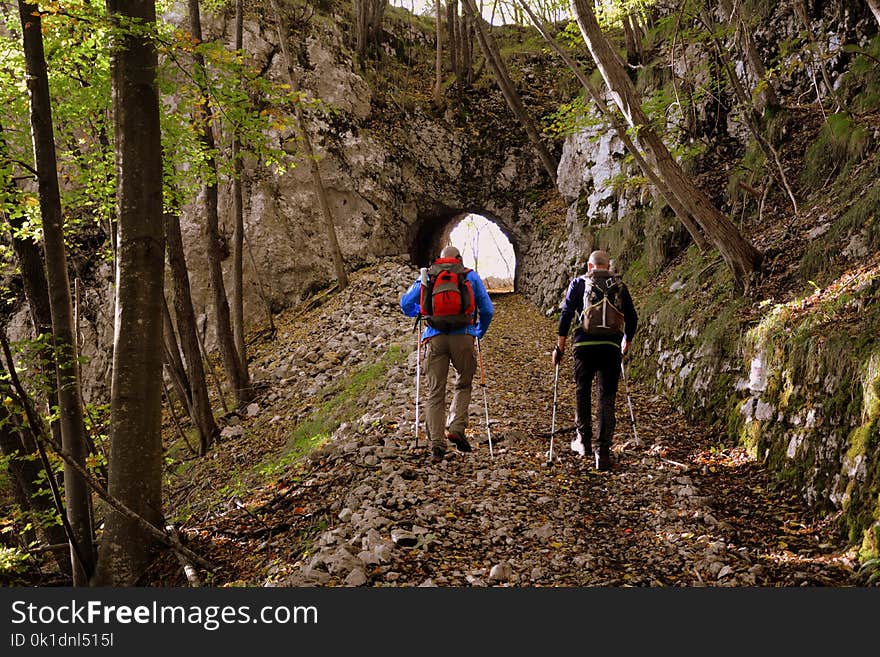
{"x": 426, "y": 8}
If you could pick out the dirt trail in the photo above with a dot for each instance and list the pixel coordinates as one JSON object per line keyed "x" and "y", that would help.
{"x": 369, "y": 509}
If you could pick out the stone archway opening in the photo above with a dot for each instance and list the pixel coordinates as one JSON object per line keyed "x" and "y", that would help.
{"x": 485, "y": 243}
{"x": 485, "y": 248}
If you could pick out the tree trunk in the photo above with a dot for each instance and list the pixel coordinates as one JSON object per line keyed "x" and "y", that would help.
{"x": 36, "y": 292}
{"x": 238, "y": 327}
{"x": 875, "y": 9}
{"x": 174, "y": 363}
{"x": 493, "y": 57}
{"x": 464, "y": 49}
{"x": 302, "y": 128}
{"x": 452, "y": 37}
{"x": 376, "y": 20}
{"x": 817, "y": 58}
{"x": 751, "y": 116}
{"x": 26, "y": 473}
{"x": 71, "y": 413}
{"x": 438, "y": 60}
{"x": 135, "y": 476}
{"x": 360, "y": 28}
{"x": 189, "y": 340}
{"x": 368, "y": 18}
{"x": 631, "y": 40}
{"x": 620, "y": 129}
{"x": 741, "y": 257}
{"x": 766, "y": 97}
{"x": 235, "y": 372}
{"x": 20, "y": 480}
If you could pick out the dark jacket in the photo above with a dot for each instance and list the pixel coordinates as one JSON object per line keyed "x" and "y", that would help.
{"x": 573, "y": 305}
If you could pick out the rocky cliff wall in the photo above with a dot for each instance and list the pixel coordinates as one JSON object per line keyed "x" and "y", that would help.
{"x": 793, "y": 374}
{"x": 397, "y": 179}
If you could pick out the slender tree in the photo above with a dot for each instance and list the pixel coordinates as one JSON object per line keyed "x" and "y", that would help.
{"x": 77, "y": 497}
{"x": 135, "y": 472}
{"x": 619, "y": 127}
{"x": 238, "y": 327}
{"x": 452, "y": 33}
{"x": 816, "y": 56}
{"x": 438, "y": 57}
{"x": 174, "y": 361}
{"x": 303, "y": 133}
{"x": 202, "y": 415}
{"x": 31, "y": 489}
{"x": 36, "y": 292}
{"x": 751, "y": 113}
{"x": 742, "y": 258}
{"x": 368, "y": 25}
{"x": 765, "y": 94}
{"x": 493, "y": 57}
{"x": 235, "y": 370}
{"x": 465, "y": 50}
{"x": 633, "y": 36}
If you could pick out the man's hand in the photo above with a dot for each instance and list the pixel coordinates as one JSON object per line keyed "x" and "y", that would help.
{"x": 624, "y": 346}
{"x": 557, "y": 355}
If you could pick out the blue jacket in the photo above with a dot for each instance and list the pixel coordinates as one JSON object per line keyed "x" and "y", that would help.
{"x": 409, "y": 304}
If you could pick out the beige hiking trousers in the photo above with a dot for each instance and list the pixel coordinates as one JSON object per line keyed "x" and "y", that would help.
{"x": 441, "y": 350}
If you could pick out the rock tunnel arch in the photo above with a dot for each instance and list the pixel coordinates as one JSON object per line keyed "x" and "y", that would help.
{"x": 432, "y": 232}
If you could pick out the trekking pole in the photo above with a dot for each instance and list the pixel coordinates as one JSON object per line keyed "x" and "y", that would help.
{"x": 485, "y": 397}
{"x": 553, "y": 417}
{"x": 632, "y": 416}
{"x": 418, "y": 326}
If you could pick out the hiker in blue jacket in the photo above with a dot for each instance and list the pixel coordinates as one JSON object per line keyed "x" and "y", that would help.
{"x": 449, "y": 339}
{"x": 598, "y": 349}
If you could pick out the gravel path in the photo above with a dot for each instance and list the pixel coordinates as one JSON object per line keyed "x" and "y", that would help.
{"x": 368, "y": 508}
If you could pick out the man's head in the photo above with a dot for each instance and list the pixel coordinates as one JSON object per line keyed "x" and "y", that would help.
{"x": 598, "y": 260}
{"x": 450, "y": 252}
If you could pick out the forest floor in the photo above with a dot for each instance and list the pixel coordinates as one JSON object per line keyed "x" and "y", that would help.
{"x": 366, "y": 507}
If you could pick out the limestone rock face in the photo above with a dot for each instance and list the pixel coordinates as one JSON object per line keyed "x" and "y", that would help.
{"x": 590, "y": 159}
{"x": 397, "y": 182}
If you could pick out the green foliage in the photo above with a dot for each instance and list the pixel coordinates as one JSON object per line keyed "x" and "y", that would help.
{"x": 610, "y": 14}
{"x": 861, "y": 220}
{"x": 570, "y": 118}
{"x": 78, "y": 60}
{"x": 869, "y": 572}
{"x": 232, "y": 91}
{"x": 841, "y": 143}
{"x": 12, "y": 561}
{"x": 860, "y": 83}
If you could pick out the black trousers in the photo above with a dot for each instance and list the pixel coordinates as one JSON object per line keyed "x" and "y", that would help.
{"x": 589, "y": 361}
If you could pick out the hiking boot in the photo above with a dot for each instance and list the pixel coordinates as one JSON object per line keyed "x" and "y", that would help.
{"x": 459, "y": 441}
{"x": 437, "y": 454}
{"x": 603, "y": 459}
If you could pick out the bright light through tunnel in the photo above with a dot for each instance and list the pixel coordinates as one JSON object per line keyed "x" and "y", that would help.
{"x": 487, "y": 250}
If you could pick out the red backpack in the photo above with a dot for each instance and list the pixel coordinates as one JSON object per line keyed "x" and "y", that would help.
{"x": 447, "y": 300}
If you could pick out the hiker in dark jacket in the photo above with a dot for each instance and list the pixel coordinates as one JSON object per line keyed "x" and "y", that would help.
{"x": 597, "y": 350}
{"x": 454, "y": 346}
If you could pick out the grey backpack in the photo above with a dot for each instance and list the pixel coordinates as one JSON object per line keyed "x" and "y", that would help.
{"x": 603, "y": 299}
